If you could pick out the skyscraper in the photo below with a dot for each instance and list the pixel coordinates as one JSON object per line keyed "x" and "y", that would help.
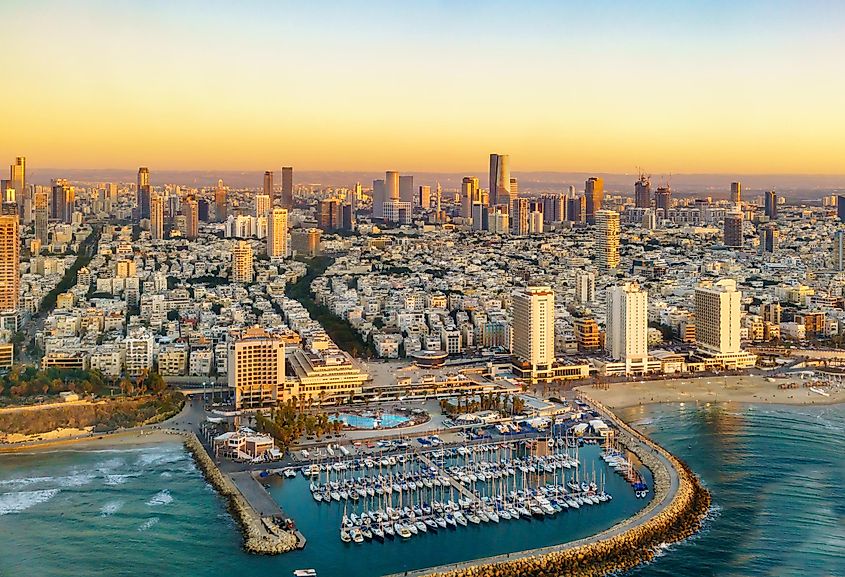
{"x": 406, "y": 189}
{"x": 10, "y": 280}
{"x": 425, "y": 197}
{"x": 268, "y": 186}
{"x": 663, "y": 199}
{"x": 391, "y": 185}
{"x": 262, "y": 205}
{"x": 143, "y": 193}
{"x": 256, "y": 369}
{"x": 242, "y": 262}
{"x": 156, "y": 217}
{"x": 330, "y": 214}
{"x": 534, "y": 327}
{"x": 733, "y": 229}
{"x": 500, "y": 180}
{"x": 287, "y": 187}
{"x": 607, "y": 239}
{"x": 61, "y": 206}
{"x": 470, "y": 195}
{"x": 627, "y": 326}
{"x": 514, "y": 189}
{"x": 839, "y": 250}
{"x": 191, "y": 210}
{"x": 736, "y": 193}
{"x": 717, "y": 316}
{"x": 840, "y": 208}
{"x": 585, "y": 287}
{"x": 771, "y": 205}
{"x": 42, "y": 214}
{"x": 642, "y": 192}
{"x": 594, "y": 191}
{"x": 769, "y": 235}
{"x": 17, "y": 175}
{"x": 520, "y": 216}
{"x": 378, "y": 198}
{"x": 277, "y": 234}
{"x": 220, "y": 204}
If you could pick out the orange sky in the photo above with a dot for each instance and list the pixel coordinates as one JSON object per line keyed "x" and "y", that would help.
{"x": 435, "y": 86}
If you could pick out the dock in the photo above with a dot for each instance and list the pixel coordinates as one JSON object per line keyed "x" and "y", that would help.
{"x": 461, "y": 489}
{"x": 263, "y": 504}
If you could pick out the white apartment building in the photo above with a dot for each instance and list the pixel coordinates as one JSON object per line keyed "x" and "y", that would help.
{"x": 534, "y": 327}
{"x": 627, "y": 326}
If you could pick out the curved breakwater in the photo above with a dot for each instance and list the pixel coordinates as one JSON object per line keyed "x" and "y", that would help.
{"x": 676, "y": 511}
{"x": 261, "y": 535}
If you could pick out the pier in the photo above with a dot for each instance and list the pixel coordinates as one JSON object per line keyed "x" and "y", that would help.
{"x": 461, "y": 489}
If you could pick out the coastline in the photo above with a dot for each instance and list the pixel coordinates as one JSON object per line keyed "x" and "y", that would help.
{"x": 744, "y": 389}
{"x": 96, "y": 441}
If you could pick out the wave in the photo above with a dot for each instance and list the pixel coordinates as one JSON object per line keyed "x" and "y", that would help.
{"x": 148, "y": 523}
{"x": 24, "y": 481}
{"x": 111, "y": 508}
{"x": 116, "y": 479}
{"x": 75, "y": 479}
{"x": 161, "y": 498}
{"x": 161, "y": 457}
{"x": 21, "y": 501}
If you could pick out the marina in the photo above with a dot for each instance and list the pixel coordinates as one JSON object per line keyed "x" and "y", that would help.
{"x": 415, "y": 493}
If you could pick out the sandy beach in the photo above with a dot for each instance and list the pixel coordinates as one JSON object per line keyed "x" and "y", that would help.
{"x": 94, "y": 441}
{"x": 737, "y": 389}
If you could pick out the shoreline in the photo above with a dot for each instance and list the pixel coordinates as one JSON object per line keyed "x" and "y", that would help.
{"x": 743, "y": 389}
{"x": 95, "y": 441}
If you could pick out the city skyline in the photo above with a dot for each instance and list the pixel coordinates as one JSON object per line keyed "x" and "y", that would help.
{"x": 715, "y": 88}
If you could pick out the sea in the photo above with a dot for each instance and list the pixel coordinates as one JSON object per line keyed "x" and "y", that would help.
{"x": 776, "y": 474}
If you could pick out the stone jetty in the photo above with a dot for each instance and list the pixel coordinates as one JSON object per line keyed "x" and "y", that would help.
{"x": 262, "y": 536}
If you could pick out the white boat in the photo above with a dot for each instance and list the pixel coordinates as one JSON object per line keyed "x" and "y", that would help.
{"x": 305, "y": 573}
{"x": 402, "y": 531}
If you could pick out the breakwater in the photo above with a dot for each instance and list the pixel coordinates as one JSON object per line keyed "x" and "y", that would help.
{"x": 675, "y": 512}
{"x": 262, "y": 535}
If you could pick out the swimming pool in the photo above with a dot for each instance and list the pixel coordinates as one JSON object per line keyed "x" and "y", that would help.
{"x": 385, "y": 421}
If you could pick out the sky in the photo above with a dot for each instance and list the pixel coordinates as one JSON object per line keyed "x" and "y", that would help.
{"x": 673, "y": 87}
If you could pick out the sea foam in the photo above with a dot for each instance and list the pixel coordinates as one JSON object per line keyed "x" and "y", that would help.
{"x": 17, "y": 502}
{"x": 161, "y": 498}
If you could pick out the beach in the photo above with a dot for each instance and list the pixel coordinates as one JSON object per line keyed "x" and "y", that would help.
{"x": 93, "y": 441}
{"x": 711, "y": 389}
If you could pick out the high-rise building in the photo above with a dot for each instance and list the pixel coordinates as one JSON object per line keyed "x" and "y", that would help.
{"x": 520, "y": 216}
{"x": 470, "y": 195}
{"x": 736, "y": 193}
{"x": 534, "y": 327}
{"x": 354, "y": 198}
{"x": 143, "y": 193}
{"x": 425, "y": 197}
{"x": 839, "y": 250}
{"x": 717, "y": 316}
{"x": 771, "y": 204}
{"x": 607, "y": 239}
{"x": 269, "y": 190}
{"x": 256, "y": 369}
{"x": 10, "y": 279}
{"x": 156, "y": 217}
{"x": 663, "y": 199}
{"x": 220, "y": 204}
{"x": 330, "y": 214}
{"x": 42, "y": 214}
{"x": 242, "y": 262}
{"x": 406, "y": 189}
{"x": 499, "y": 182}
{"x": 585, "y": 287}
{"x": 769, "y": 235}
{"x": 287, "y": 187}
{"x": 190, "y": 208}
{"x": 733, "y": 229}
{"x": 305, "y": 241}
{"x": 594, "y": 193}
{"x": 61, "y": 207}
{"x": 277, "y": 234}
{"x": 378, "y": 198}
{"x": 17, "y": 176}
{"x": 840, "y": 208}
{"x": 514, "y": 188}
{"x": 204, "y": 210}
{"x": 263, "y": 203}
{"x": 642, "y": 192}
{"x": 554, "y": 208}
{"x": 627, "y": 326}
{"x": 391, "y": 185}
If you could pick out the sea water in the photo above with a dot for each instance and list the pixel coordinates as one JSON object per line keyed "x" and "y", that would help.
{"x": 776, "y": 474}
